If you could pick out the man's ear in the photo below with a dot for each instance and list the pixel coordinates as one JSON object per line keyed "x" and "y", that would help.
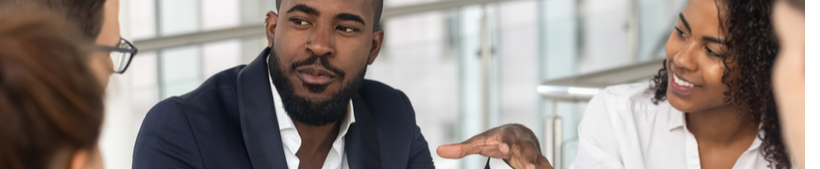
{"x": 378, "y": 39}
{"x": 270, "y": 26}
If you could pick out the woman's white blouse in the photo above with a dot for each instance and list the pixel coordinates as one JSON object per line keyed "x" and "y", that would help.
{"x": 622, "y": 129}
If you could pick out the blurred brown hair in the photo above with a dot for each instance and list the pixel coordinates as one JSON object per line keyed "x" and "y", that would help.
{"x": 50, "y": 102}
{"x": 87, "y": 14}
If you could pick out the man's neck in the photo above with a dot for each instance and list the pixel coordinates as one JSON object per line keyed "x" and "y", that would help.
{"x": 724, "y": 125}
{"x": 316, "y": 139}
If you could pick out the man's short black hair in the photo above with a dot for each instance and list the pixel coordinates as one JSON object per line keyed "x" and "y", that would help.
{"x": 377, "y": 6}
{"x": 87, "y": 14}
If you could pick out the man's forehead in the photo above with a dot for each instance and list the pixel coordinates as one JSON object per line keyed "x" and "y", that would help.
{"x": 363, "y": 7}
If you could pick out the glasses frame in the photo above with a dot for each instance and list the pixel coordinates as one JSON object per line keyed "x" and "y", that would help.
{"x": 133, "y": 51}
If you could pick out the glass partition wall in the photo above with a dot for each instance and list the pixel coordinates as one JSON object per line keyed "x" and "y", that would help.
{"x": 466, "y": 65}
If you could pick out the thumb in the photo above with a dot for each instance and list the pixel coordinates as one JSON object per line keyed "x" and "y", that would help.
{"x": 452, "y": 150}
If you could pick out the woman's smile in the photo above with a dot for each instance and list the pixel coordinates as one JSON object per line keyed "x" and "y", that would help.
{"x": 680, "y": 86}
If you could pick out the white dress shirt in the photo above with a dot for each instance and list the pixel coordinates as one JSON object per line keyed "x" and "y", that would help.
{"x": 623, "y": 129}
{"x": 291, "y": 141}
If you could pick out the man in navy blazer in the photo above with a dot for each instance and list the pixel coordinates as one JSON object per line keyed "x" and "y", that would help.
{"x": 316, "y": 64}
{"x": 304, "y": 103}
{"x": 229, "y": 122}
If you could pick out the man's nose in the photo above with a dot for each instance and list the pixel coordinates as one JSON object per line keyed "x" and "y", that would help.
{"x": 321, "y": 42}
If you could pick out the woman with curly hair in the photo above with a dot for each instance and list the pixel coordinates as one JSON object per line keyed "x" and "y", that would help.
{"x": 710, "y": 106}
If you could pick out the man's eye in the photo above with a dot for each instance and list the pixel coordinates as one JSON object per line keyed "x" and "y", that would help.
{"x": 345, "y": 29}
{"x": 300, "y": 22}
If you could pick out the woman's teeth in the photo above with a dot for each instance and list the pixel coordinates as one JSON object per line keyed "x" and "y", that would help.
{"x": 681, "y": 82}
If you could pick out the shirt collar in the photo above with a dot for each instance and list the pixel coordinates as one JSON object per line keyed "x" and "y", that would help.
{"x": 756, "y": 144}
{"x": 285, "y": 122}
{"x": 677, "y": 120}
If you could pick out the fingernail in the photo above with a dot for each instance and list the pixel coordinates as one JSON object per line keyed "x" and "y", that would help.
{"x": 531, "y": 166}
{"x": 504, "y": 148}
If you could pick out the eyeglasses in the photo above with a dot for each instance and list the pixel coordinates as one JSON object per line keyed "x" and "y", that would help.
{"x": 121, "y": 55}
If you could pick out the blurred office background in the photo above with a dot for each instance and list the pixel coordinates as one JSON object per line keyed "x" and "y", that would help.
{"x": 466, "y": 65}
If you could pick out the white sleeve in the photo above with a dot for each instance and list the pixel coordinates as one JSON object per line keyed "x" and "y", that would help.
{"x": 497, "y": 163}
{"x": 597, "y": 143}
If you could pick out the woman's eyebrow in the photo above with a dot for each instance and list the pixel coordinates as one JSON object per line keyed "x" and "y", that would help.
{"x": 714, "y": 40}
{"x": 683, "y": 19}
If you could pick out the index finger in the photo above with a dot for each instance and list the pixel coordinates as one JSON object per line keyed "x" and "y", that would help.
{"x": 486, "y": 144}
{"x": 452, "y": 151}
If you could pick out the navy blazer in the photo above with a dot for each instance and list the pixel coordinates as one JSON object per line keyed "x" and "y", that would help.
{"x": 229, "y": 122}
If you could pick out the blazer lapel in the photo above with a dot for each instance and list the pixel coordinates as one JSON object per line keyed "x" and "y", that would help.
{"x": 260, "y": 129}
{"x": 361, "y": 142}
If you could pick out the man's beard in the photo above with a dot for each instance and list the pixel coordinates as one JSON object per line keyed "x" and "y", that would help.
{"x": 309, "y": 111}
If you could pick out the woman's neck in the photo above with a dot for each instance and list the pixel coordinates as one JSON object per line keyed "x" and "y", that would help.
{"x": 723, "y": 125}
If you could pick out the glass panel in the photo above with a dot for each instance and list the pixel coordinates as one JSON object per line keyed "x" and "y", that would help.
{"x": 559, "y": 38}
{"x": 143, "y": 100}
{"x": 418, "y": 59}
{"x": 470, "y": 109}
{"x": 560, "y": 41}
{"x": 143, "y": 70}
{"x": 178, "y": 17}
{"x": 252, "y": 47}
{"x": 219, "y": 56}
{"x": 141, "y": 19}
{"x": 518, "y": 49}
{"x": 180, "y": 71}
{"x": 219, "y": 14}
{"x": 253, "y": 11}
{"x": 604, "y": 35}
{"x": 395, "y": 3}
{"x": 144, "y": 86}
{"x": 657, "y": 18}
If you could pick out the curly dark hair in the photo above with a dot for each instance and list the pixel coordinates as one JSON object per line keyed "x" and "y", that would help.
{"x": 751, "y": 40}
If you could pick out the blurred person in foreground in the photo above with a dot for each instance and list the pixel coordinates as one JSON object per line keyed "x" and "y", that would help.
{"x": 789, "y": 76}
{"x": 51, "y": 105}
{"x": 710, "y": 106}
{"x": 98, "y": 21}
{"x": 302, "y": 103}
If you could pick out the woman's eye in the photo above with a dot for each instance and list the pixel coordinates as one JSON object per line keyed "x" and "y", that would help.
{"x": 710, "y": 52}
{"x": 680, "y": 33}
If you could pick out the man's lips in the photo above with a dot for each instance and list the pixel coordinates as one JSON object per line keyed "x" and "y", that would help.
{"x": 315, "y": 74}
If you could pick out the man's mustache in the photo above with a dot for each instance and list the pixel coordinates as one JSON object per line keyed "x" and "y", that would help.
{"x": 323, "y": 61}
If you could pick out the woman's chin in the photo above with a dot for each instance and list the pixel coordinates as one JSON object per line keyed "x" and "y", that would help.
{"x": 680, "y": 104}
